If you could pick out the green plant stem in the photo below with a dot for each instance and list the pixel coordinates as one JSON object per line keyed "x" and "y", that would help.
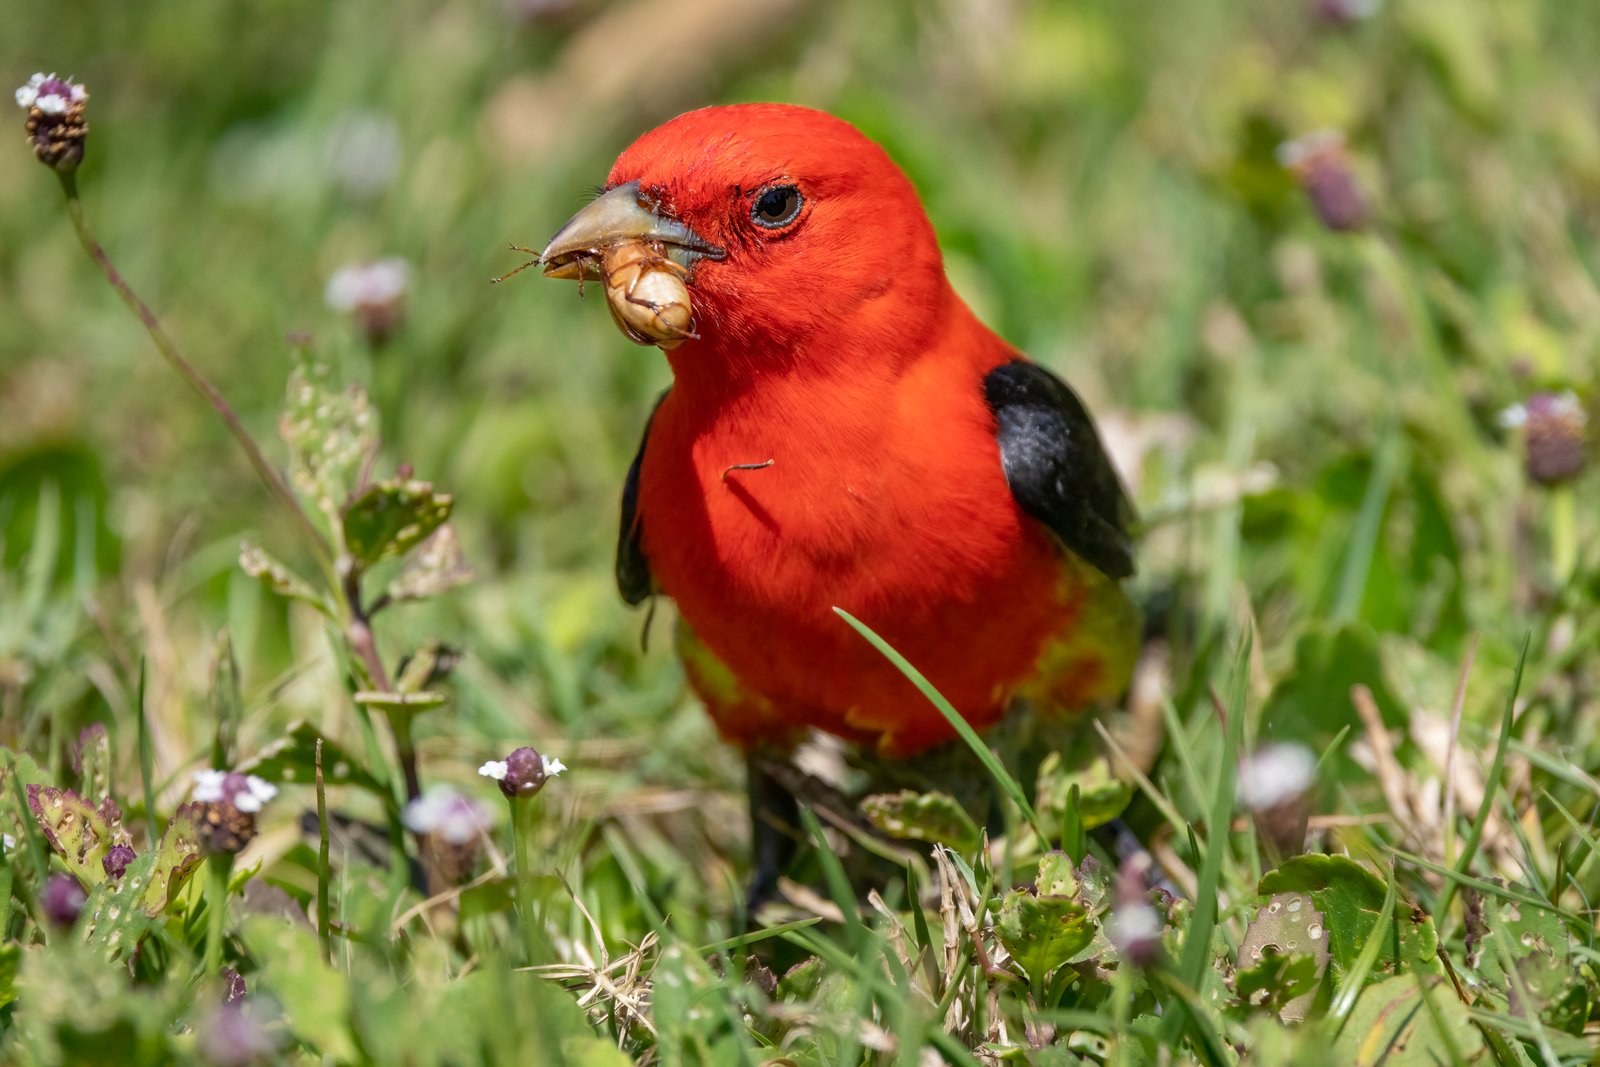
{"x": 1563, "y": 535}
{"x": 220, "y": 867}
{"x": 324, "y": 924}
{"x": 522, "y": 831}
{"x": 196, "y": 381}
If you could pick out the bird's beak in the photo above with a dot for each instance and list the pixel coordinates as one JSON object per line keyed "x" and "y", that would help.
{"x": 620, "y": 215}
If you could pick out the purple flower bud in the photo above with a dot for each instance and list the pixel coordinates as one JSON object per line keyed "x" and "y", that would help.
{"x": 1319, "y": 162}
{"x": 116, "y": 861}
{"x": 62, "y": 899}
{"x": 373, "y": 293}
{"x": 523, "y": 773}
{"x": 1555, "y": 429}
{"x": 55, "y": 123}
{"x": 233, "y": 988}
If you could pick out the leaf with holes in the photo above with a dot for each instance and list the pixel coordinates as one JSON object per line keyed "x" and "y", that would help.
{"x": 1350, "y": 897}
{"x": 71, "y": 826}
{"x": 390, "y": 518}
{"x": 293, "y": 760}
{"x": 912, "y": 816}
{"x": 1046, "y": 926}
{"x": 332, "y": 434}
{"x": 1538, "y": 944}
{"x": 116, "y": 917}
{"x": 1287, "y": 928}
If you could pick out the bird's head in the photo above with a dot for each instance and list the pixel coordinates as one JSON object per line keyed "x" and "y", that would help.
{"x": 785, "y": 224}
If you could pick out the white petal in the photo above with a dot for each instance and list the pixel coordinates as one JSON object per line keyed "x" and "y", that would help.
{"x": 9, "y": 841}
{"x": 552, "y": 766}
{"x": 247, "y": 803}
{"x": 208, "y": 785}
{"x": 51, "y": 104}
{"x": 261, "y": 789}
{"x": 496, "y": 769}
{"x": 1275, "y": 774}
{"x": 26, "y": 96}
{"x": 79, "y": 94}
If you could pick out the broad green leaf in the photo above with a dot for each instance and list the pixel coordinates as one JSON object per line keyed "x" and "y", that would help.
{"x": 913, "y": 816}
{"x": 390, "y": 518}
{"x": 437, "y": 566}
{"x": 293, "y": 760}
{"x": 1350, "y": 898}
{"x": 71, "y": 825}
{"x": 276, "y": 576}
{"x": 1392, "y": 1026}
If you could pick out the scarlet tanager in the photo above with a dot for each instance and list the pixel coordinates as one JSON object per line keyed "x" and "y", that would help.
{"x": 842, "y": 430}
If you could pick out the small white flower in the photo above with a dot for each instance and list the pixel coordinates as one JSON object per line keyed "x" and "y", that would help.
{"x": 1275, "y": 774}
{"x": 1132, "y": 925}
{"x": 1303, "y": 149}
{"x": 552, "y": 766}
{"x": 256, "y": 792}
{"x": 208, "y": 785}
{"x": 368, "y": 284}
{"x": 496, "y": 769}
{"x": 8, "y": 841}
{"x": 51, "y": 104}
{"x": 1513, "y": 417}
{"x": 30, "y": 92}
{"x": 446, "y": 813}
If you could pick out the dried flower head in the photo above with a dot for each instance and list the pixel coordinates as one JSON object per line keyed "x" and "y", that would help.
{"x": 55, "y": 124}
{"x": 523, "y": 773}
{"x": 374, "y": 294}
{"x": 225, "y": 805}
{"x": 1322, "y": 166}
{"x": 62, "y": 899}
{"x": 1555, "y": 434}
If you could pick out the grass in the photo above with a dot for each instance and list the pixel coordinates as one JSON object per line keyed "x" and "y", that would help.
{"x": 1308, "y": 419}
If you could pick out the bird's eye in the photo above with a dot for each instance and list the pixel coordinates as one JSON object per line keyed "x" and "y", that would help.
{"x": 776, "y": 207}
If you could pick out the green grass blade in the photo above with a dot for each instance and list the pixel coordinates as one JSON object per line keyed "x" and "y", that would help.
{"x": 963, "y": 729}
{"x": 1491, "y": 786}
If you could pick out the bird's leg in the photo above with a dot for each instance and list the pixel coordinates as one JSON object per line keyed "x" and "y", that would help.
{"x": 774, "y": 822}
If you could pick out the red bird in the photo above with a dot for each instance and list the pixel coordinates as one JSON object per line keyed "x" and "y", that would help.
{"x": 842, "y": 430}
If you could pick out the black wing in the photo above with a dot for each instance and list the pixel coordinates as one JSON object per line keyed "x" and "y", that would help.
{"x": 1056, "y": 467}
{"x": 633, "y": 569}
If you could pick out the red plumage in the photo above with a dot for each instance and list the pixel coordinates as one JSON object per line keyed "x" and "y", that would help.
{"x": 834, "y": 347}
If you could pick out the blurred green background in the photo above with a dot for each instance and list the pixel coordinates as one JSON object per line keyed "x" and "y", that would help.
{"x": 1308, "y": 418}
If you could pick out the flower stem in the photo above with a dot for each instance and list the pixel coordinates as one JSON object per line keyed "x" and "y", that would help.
{"x": 522, "y": 831}
{"x": 1563, "y": 535}
{"x": 220, "y": 867}
{"x": 186, "y": 370}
